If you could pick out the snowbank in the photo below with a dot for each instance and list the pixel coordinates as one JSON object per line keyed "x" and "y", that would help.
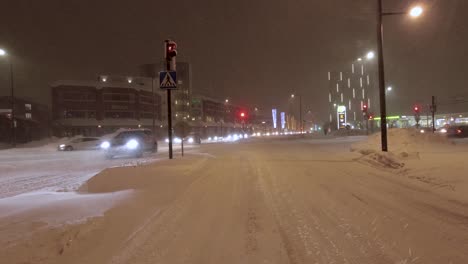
{"x": 403, "y": 144}
{"x": 429, "y": 159}
{"x": 351, "y": 132}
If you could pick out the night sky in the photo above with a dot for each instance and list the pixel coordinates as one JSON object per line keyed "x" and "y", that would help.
{"x": 256, "y": 52}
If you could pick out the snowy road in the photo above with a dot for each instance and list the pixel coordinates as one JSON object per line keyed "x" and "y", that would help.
{"x": 266, "y": 201}
{"x": 24, "y": 170}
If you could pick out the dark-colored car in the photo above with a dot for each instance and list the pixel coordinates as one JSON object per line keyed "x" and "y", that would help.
{"x": 131, "y": 142}
{"x": 457, "y": 131}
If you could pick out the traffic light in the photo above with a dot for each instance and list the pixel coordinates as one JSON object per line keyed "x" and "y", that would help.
{"x": 171, "y": 49}
{"x": 417, "y": 116}
{"x": 242, "y": 115}
{"x": 364, "y": 110}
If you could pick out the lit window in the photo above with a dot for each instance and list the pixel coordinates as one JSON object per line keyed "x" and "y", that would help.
{"x": 28, "y": 115}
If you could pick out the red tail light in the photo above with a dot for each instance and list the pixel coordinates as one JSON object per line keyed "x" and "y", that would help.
{"x": 459, "y": 131}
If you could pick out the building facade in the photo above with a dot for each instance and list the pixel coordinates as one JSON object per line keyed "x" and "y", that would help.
{"x": 32, "y": 120}
{"x": 352, "y": 89}
{"x": 93, "y": 108}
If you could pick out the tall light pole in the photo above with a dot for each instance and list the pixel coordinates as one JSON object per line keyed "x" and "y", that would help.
{"x": 414, "y": 12}
{"x": 301, "y": 126}
{"x": 3, "y": 53}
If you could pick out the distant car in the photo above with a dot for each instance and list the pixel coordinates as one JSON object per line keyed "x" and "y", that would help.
{"x": 425, "y": 130}
{"x": 458, "y": 131}
{"x": 193, "y": 138}
{"x": 81, "y": 143}
{"x": 130, "y": 142}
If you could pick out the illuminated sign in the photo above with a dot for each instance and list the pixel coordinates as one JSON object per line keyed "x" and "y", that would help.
{"x": 273, "y": 112}
{"x": 283, "y": 120}
{"x": 341, "y": 116}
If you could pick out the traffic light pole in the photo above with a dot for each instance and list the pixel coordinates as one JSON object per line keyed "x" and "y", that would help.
{"x": 169, "y": 112}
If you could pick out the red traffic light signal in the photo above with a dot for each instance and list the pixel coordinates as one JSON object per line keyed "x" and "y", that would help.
{"x": 364, "y": 107}
{"x": 242, "y": 114}
{"x": 416, "y": 109}
{"x": 171, "y": 49}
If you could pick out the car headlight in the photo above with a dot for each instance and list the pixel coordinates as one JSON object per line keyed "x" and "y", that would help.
{"x": 61, "y": 145}
{"x": 105, "y": 145}
{"x": 132, "y": 144}
{"x": 167, "y": 140}
{"x": 422, "y": 131}
{"x": 177, "y": 140}
{"x": 209, "y": 139}
{"x": 190, "y": 140}
{"x": 443, "y": 130}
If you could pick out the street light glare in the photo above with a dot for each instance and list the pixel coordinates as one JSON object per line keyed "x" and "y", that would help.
{"x": 292, "y": 95}
{"x": 370, "y": 55}
{"x": 2, "y": 52}
{"x": 389, "y": 88}
{"x": 359, "y": 59}
{"x": 416, "y": 11}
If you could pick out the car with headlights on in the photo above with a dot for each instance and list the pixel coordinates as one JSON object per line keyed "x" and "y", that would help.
{"x": 130, "y": 142}
{"x": 80, "y": 143}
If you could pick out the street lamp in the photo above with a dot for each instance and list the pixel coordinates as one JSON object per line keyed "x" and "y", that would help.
{"x": 226, "y": 101}
{"x": 389, "y": 89}
{"x": 414, "y": 12}
{"x": 3, "y": 53}
{"x": 370, "y": 55}
{"x": 300, "y": 111}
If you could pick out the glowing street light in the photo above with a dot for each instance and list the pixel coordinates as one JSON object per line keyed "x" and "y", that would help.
{"x": 292, "y": 95}
{"x": 370, "y": 55}
{"x": 359, "y": 59}
{"x": 2, "y": 52}
{"x": 226, "y": 101}
{"x": 416, "y": 11}
{"x": 389, "y": 88}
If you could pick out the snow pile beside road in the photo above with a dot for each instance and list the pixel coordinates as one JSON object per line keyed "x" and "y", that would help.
{"x": 429, "y": 159}
{"x": 346, "y": 132}
{"x": 405, "y": 140}
{"x": 404, "y": 144}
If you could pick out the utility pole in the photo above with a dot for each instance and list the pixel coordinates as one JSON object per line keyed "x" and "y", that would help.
{"x": 433, "y": 110}
{"x": 383, "y": 107}
{"x": 13, "y": 121}
{"x": 154, "y": 112}
{"x": 300, "y": 113}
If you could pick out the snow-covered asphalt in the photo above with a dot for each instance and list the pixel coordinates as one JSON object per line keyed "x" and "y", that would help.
{"x": 25, "y": 170}
{"x": 262, "y": 201}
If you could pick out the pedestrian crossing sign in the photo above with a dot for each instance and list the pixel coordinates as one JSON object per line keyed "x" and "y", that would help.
{"x": 168, "y": 80}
